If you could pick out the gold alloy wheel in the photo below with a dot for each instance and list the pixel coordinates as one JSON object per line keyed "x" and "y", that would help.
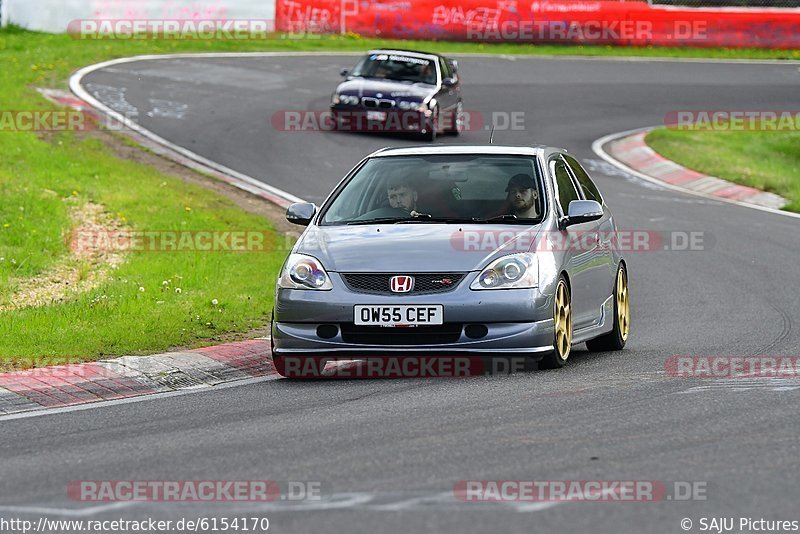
{"x": 623, "y": 305}
{"x": 563, "y": 321}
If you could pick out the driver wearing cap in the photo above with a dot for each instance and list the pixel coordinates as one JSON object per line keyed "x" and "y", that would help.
{"x": 522, "y": 196}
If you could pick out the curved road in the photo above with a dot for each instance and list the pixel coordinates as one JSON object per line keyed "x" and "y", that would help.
{"x": 388, "y": 452}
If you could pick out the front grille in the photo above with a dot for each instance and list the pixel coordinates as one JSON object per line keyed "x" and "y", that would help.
{"x": 424, "y": 283}
{"x": 420, "y": 335}
{"x": 377, "y": 103}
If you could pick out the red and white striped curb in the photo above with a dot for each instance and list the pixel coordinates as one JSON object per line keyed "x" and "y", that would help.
{"x": 634, "y": 152}
{"x": 133, "y": 376}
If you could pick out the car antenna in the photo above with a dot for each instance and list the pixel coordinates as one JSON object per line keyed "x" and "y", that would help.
{"x": 491, "y": 136}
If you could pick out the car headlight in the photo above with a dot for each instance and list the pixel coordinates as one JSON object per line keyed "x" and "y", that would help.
{"x": 516, "y": 271}
{"x": 304, "y": 272}
{"x": 350, "y": 100}
{"x": 336, "y": 99}
{"x": 426, "y": 108}
{"x": 406, "y": 106}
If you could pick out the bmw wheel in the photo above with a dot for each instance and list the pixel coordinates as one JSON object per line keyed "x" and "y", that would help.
{"x": 430, "y": 126}
{"x": 457, "y": 120}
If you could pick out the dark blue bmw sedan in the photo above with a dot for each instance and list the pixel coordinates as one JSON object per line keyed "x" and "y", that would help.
{"x": 400, "y": 91}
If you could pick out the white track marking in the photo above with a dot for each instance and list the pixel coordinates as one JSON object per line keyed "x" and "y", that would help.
{"x": 140, "y": 398}
{"x": 243, "y": 181}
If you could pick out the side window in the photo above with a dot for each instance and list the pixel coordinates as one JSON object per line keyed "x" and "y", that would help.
{"x": 445, "y": 69}
{"x": 453, "y": 68}
{"x": 565, "y": 188}
{"x": 587, "y": 185}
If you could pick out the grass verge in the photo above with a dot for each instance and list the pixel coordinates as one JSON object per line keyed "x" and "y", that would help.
{"x": 766, "y": 160}
{"x": 139, "y": 308}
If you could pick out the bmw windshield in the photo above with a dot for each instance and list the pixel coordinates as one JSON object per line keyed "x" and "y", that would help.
{"x": 397, "y": 67}
{"x": 441, "y": 188}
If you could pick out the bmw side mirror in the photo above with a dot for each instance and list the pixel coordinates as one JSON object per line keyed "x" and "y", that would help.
{"x": 449, "y": 82}
{"x": 344, "y": 72}
{"x": 301, "y": 213}
{"x": 583, "y": 211}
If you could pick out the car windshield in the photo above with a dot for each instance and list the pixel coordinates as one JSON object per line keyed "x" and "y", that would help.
{"x": 440, "y": 189}
{"x": 397, "y": 67}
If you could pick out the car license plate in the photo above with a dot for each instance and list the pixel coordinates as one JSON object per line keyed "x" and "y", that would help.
{"x": 400, "y": 315}
{"x": 376, "y": 115}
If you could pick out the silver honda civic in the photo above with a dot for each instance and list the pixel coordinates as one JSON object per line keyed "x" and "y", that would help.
{"x": 486, "y": 250}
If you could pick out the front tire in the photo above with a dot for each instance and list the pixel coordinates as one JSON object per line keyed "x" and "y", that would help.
{"x": 430, "y": 126}
{"x": 616, "y": 339}
{"x": 562, "y": 328}
{"x": 457, "y": 119}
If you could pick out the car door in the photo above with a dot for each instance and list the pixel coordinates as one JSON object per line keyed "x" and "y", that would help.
{"x": 447, "y": 96}
{"x": 604, "y": 270}
{"x": 579, "y": 243}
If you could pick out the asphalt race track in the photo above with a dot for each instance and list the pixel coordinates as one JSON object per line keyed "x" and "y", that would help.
{"x": 388, "y": 452}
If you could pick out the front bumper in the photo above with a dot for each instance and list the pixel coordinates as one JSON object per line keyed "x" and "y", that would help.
{"x": 359, "y": 119}
{"x": 515, "y": 321}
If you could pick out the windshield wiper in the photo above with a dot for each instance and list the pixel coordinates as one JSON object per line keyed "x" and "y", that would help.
{"x": 379, "y": 220}
{"x": 427, "y": 217}
{"x": 500, "y": 218}
{"x": 415, "y": 217}
{"x": 430, "y": 218}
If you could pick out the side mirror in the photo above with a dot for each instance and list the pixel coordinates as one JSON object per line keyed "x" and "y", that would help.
{"x": 449, "y": 82}
{"x": 344, "y": 72}
{"x": 301, "y": 213}
{"x": 583, "y": 211}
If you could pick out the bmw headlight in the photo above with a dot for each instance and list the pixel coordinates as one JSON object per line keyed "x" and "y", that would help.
{"x": 408, "y": 106}
{"x": 336, "y": 99}
{"x": 509, "y": 272}
{"x": 350, "y": 100}
{"x": 427, "y": 108}
{"x": 304, "y": 272}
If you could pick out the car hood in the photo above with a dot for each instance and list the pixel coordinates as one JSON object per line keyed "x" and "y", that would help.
{"x": 414, "y": 247}
{"x": 388, "y": 88}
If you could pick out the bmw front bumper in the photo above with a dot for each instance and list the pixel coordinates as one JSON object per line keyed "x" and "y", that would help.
{"x": 357, "y": 119}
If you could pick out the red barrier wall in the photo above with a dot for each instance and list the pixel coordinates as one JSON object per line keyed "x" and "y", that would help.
{"x": 542, "y": 21}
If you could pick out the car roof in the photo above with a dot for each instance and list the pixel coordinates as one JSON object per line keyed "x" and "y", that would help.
{"x": 412, "y": 53}
{"x": 503, "y": 150}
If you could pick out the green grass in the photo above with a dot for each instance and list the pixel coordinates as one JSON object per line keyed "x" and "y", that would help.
{"x": 37, "y": 174}
{"x": 766, "y": 160}
{"x": 119, "y": 318}
{"x": 42, "y": 176}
